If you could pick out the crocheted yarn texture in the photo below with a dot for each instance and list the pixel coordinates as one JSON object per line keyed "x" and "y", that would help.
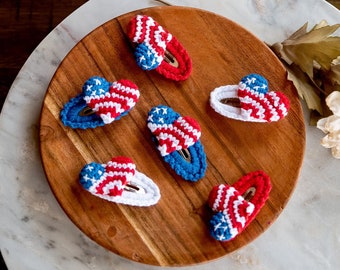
{"x": 110, "y": 181}
{"x": 256, "y": 103}
{"x": 235, "y": 212}
{"x": 154, "y": 42}
{"x": 104, "y": 102}
{"x": 173, "y": 134}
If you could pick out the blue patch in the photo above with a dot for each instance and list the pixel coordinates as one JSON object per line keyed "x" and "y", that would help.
{"x": 145, "y": 57}
{"x": 162, "y": 115}
{"x": 256, "y": 82}
{"x": 71, "y": 115}
{"x": 96, "y": 86}
{"x": 219, "y": 228}
{"x": 91, "y": 172}
{"x": 193, "y": 170}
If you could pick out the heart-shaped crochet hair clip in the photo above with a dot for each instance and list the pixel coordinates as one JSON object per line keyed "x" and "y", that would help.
{"x": 178, "y": 141}
{"x": 250, "y": 100}
{"x": 100, "y": 103}
{"x": 237, "y": 205}
{"x": 118, "y": 181}
{"x": 158, "y": 49}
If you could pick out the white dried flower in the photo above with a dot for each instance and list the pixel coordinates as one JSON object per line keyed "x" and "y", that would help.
{"x": 331, "y": 125}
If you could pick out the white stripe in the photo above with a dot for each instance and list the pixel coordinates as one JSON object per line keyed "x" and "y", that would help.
{"x": 189, "y": 127}
{"x": 111, "y": 185}
{"x": 230, "y": 192}
{"x": 236, "y": 205}
{"x": 125, "y": 89}
{"x": 138, "y": 28}
{"x": 121, "y": 165}
{"x": 218, "y": 197}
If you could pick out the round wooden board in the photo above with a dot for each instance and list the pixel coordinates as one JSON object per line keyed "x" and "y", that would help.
{"x": 175, "y": 231}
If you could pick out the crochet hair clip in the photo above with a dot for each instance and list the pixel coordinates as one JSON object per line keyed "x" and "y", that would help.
{"x": 237, "y": 205}
{"x": 178, "y": 140}
{"x": 100, "y": 103}
{"x": 118, "y": 181}
{"x": 158, "y": 49}
{"x": 250, "y": 101}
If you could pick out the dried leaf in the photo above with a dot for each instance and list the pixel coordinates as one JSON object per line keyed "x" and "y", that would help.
{"x": 311, "y": 59}
{"x": 304, "y": 48}
{"x": 316, "y": 46}
{"x": 315, "y": 35}
{"x": 320, "y": 24}
{"x": 298, "y": 33}
{"x": 305, "y": 88}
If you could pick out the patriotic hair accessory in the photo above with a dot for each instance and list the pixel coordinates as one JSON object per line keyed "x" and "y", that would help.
{"x": 118, "y": 181}
{"x": 237, "y": 205}
{"x": 100, "y": 103}
{"x": 177, "y": 139}
{"x": 250, "y": 100}
{"x": 158, "y": 49}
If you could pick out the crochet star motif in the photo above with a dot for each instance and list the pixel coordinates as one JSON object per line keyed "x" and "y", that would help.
{"x": 158, "y": 111}
{"x": 256, "y": 84}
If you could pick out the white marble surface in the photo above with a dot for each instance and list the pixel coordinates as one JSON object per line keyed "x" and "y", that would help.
{"x": 36, "y": 234}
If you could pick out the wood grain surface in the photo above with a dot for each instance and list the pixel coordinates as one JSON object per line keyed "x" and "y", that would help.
{"x": 175, "y": 231}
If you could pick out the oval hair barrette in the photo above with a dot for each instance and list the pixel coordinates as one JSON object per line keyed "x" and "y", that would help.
{"x": 237, "y": 205}
{"x": 100, "y": 103}
{"x": 118, "y": 181}
{"x": 250, "y": 101}
{"x": 158, "y": 49}
{"x": 178, "y": 140}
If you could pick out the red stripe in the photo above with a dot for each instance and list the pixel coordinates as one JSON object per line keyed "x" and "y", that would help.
{"x": 127, "y": 83}
{"x": 168, "y": 141}
{"x": 116, "y": 99}
{"x": 257, "y": 99}
{"x": 282, "y": 100}
{"x": 176, "y": 133}
{"x": 213, "y": 197}
{"x": 144, "y": 27}
{"x": 160, "y": 51}
{"x": 115, "y": 191}
{"x": 191, "y": 122}
{"x": 168, "y": 144}
{"x": 123, "y": 93}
